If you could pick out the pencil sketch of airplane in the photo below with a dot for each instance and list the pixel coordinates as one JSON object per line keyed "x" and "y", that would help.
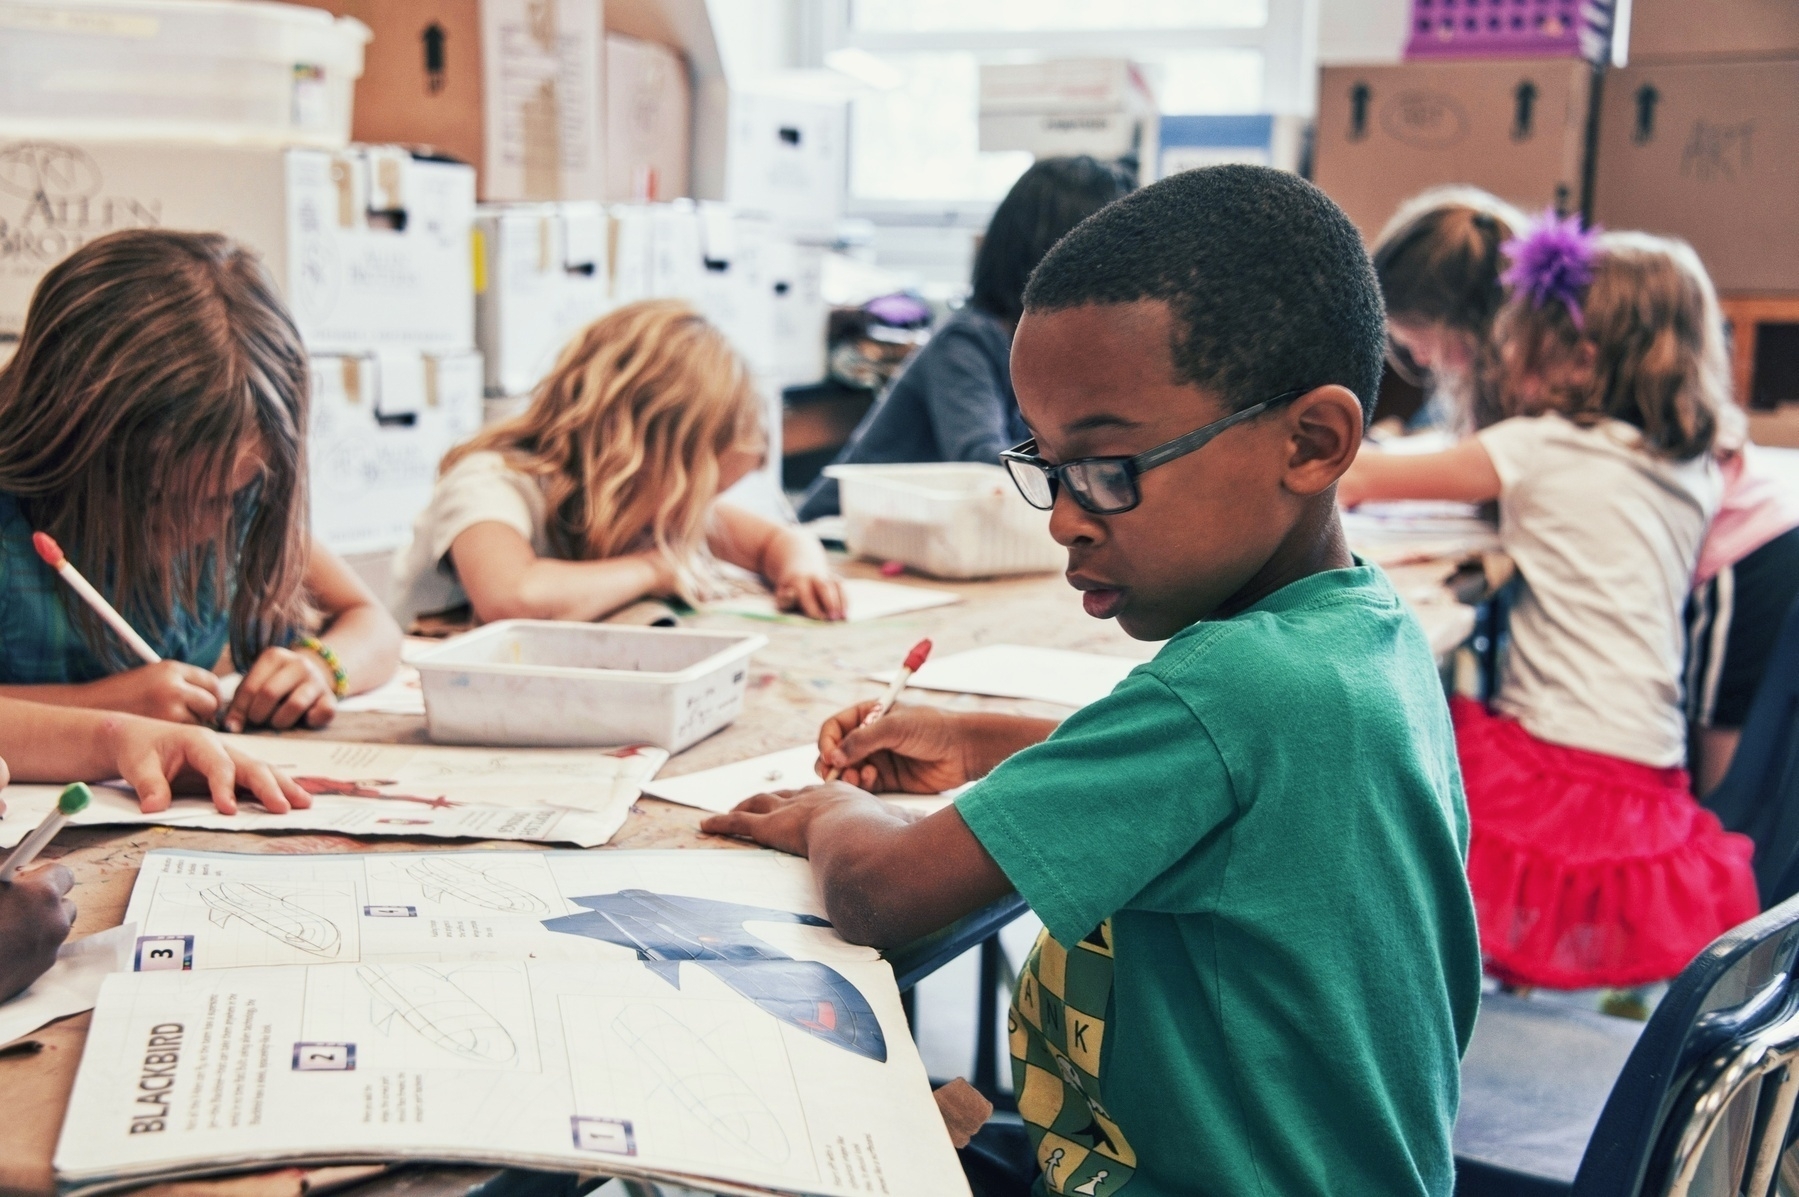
{"x": 701, "y": 1081}
{"x": 666, "y": 930}
{"x": 437, "y": 1008}
{"x": 439, "y": 877}
{"x": 274, "y": 914}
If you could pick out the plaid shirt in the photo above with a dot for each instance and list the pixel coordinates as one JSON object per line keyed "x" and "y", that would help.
{"x": 40, "y": 645}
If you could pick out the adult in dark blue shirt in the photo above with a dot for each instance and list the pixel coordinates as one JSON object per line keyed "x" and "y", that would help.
{"x": 953, "y": 401}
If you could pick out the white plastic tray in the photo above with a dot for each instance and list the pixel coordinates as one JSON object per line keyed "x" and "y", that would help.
{"x": 547, "y": 683}
{"x": 958, "y": 519}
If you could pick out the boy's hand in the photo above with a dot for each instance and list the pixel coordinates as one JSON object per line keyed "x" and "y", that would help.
{"x": 782, "y": 820}
{"x": 34, "y": 920}
{"x": 157, "y": 760}
{"x": 815, "y": 594}
{"x": 282, "y": 689}
{"x": 171, "y": 690}
{"x": 912, "y": 750}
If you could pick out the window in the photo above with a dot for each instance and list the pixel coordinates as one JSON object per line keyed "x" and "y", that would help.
{"x": 914, "y": 143}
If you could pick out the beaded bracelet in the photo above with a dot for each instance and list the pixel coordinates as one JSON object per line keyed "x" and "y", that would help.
{"x": 340, "y": 680}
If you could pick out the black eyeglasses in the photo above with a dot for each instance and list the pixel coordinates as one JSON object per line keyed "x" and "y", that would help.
{"x": 1108, "y": 485}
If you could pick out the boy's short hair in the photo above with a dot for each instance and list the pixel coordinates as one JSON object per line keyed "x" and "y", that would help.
{"x": 1269, "y": 284}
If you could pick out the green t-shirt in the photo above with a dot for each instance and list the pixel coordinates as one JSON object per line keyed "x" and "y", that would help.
{"x": 1260, "y": 966}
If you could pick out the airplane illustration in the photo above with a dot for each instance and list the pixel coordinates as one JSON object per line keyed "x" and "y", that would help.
{"x": 439, "y": 877}
{"x": 436, "y": 1008}
{"x": 273, "y": 914}
{"x": 666, "y": 930}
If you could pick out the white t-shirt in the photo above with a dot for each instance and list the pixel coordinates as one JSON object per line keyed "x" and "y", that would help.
{"x": 481, "y": 487}
{"x": 1605, "y": 536}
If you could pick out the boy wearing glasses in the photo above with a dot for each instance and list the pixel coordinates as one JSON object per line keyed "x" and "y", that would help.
{"x": 1259, "y": 966}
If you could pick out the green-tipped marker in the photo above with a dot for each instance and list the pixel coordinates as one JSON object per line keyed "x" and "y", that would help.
{"x": 73, "y": 801}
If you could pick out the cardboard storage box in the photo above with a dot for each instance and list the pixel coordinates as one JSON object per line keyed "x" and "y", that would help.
{"x": 649, "y": 113}
{"x": 1514, "y": 127}
{"x": 510, "y": 86}
{"x": 785, "y": 160}
{"x": 380, "y": 425}
{"x": 1707, "y": 151}
{"x": 369, "y": 246}
{"x": 1682, "y": 30}
{"x": 1097, "y": 106}
{"x": 542, "y": 277}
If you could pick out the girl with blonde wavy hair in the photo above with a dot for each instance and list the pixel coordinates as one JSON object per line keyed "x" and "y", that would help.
{"x": 604, "y": 491}
{"x": 1590, "y": 861}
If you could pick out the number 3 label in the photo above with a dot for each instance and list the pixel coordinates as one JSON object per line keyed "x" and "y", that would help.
{"x": 164, "y": 953}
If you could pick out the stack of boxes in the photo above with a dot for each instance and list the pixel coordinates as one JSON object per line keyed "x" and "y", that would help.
{"x": 423, "y": 311}
{"x": 1699, "y": 138}
{"x": 368, "y": 244}
{"x": 1686, "y": 123}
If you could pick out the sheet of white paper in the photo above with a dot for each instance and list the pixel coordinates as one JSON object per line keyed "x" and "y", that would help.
{"x": 71, "y": 984}
{"x": 656, "y": 1014}
{"x": 401, "y": 695}
{"x": 1018, "y": 671}
{"x": 547, "y": 795}
{"x": 722, "y": 788}
{"x": 866, "y": 598}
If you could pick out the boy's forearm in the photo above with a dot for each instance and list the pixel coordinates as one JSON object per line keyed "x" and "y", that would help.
{"x": 988, "y": 738}
{"x": 888, "y": 880}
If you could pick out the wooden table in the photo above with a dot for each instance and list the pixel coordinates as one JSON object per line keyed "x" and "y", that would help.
{"x": 807, "y": 672}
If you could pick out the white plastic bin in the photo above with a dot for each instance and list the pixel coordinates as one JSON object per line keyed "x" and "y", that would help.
{"x": 949, "y": 519}
{"x": 209, "y": 70}
{"x": 541, "y": 682}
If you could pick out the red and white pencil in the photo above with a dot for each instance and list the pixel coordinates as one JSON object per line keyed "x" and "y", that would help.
{"x": 51, "y": 552}
{"x": 917, "y": 657}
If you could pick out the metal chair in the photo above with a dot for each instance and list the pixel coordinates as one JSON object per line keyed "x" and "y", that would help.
{"x": 1701, "y": 1107}
{"x": 1759, "y": 796}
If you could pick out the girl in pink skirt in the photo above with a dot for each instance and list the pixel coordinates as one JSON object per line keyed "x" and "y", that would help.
{"x": 1591, "y": 862}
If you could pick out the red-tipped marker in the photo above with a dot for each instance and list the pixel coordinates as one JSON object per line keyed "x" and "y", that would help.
{"x": 48, "y": 549}
{"x": 52, "y": 553}
{"x": 917, "y": 657}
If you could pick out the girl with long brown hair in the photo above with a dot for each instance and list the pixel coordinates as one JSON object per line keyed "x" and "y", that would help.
{"x": 1590, "y": 861}
{"x": 605, "y": 489}
{"x": 153, "y": 422}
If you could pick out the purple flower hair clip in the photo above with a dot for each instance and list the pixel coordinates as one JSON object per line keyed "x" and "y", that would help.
{"x": 1553, "y": 262}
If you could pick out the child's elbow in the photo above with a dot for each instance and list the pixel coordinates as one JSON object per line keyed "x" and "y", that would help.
{"x": 860, "y": 900}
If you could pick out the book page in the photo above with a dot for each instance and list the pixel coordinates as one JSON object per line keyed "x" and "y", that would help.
{"x": 655, "y": 1014}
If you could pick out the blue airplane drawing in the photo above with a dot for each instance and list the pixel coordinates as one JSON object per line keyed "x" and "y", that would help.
{"x": 666, "y": 930}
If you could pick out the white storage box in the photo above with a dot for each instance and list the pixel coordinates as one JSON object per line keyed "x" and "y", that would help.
{"x": 380, "y": 425}
{"x": 959, "y": 519}
{"x": 275, "y": 74}
{"x": 785, "y": 160}
{"x": 543, "y": 279}
{"x": 369, "y": 246}
{"x": 544, "y": 682}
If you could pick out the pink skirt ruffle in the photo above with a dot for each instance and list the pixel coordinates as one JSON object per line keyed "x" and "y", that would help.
{"x": 1589, "y": 870}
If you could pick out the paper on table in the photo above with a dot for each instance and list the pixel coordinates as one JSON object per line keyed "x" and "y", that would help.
{"x": 401, "y": 695}
{"x": 71, "y": 984}
{"x": 1017, "y": 671}
{"x": 577, "y": 796}
{"x": 644, "y": 1014}
{"x": 722, "y": 788}
{"x": 1403, "y": 532}
{"x": 866, "y": 598}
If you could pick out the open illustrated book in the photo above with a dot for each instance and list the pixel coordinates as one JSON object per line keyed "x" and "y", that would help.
{"x": 685, "y": 1016}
